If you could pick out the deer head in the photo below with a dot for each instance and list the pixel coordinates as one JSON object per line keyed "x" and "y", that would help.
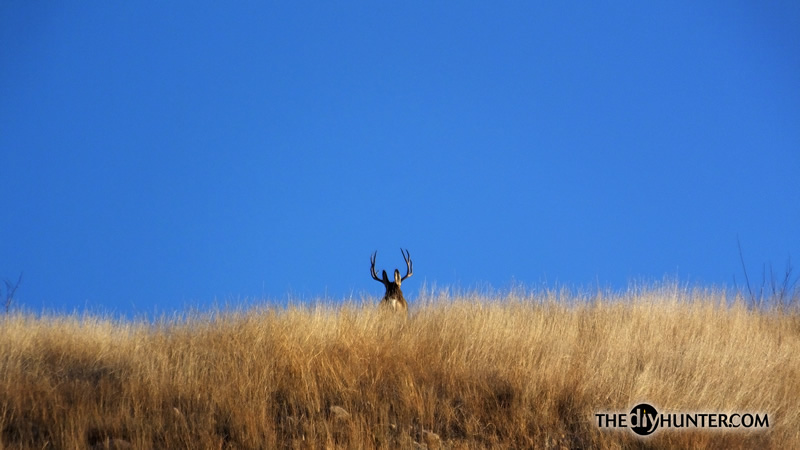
{"x": 394, "y": 296}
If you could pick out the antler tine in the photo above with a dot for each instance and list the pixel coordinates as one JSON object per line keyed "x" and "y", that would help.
{"x": 372, "y": 269}
{"x": 407, "y": 257}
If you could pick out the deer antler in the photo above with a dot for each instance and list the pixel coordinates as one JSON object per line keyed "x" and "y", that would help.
{"x": 407, "y": 257}
{"x": 385, "y": 280}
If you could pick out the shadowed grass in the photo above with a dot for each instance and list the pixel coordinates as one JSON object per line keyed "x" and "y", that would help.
{"x": 469, "y": 372}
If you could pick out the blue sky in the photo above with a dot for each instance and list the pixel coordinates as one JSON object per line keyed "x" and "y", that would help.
{"x": 157, "y": 156}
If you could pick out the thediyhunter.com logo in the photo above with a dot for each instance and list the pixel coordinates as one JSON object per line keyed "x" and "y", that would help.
{"x": 644, "y": 420}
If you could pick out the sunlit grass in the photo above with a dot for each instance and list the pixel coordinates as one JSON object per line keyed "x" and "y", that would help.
{"x": 472, "y": 371}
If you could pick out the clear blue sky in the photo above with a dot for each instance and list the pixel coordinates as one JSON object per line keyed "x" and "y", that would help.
{"x": 156, "y": 156}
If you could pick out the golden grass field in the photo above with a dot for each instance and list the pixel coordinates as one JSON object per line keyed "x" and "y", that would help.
{"x": 465, "y": 371}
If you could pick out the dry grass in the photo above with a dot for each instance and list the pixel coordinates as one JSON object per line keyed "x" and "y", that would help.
{"x": 520, "y": 371}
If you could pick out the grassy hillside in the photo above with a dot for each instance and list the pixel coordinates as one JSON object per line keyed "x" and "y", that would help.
{"x": 468, "y": 372}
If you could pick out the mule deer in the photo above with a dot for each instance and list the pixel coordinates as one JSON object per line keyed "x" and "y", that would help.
{"x": 394, "y": 296}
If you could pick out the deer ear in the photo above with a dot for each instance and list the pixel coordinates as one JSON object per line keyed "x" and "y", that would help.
{"x": 385, "y": 278}
{"x": 397, "y": 278}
